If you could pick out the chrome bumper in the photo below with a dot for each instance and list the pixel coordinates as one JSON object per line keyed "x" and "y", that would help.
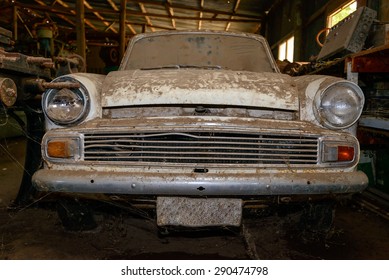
{"x": 199, "y": 184}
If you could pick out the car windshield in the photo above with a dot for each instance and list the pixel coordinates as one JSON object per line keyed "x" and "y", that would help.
{"x": 197, "y": 50}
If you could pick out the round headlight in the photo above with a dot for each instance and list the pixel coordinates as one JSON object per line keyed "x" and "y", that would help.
{"x": 66, "y": 106}
{"x": 339, "y": 105}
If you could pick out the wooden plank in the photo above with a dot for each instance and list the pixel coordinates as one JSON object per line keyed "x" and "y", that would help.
{"x": 122, "y": 27}
{"x": 80, "y": 28}
{"x": 370, "y": 64}
{"x": 375, "y": 60}
{"x": 5, "y": 32}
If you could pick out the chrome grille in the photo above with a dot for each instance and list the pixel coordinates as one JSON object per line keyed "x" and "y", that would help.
{"x": 208, "y": 148}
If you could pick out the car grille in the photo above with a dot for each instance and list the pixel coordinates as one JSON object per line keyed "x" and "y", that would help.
{"x": 201, "y": 148}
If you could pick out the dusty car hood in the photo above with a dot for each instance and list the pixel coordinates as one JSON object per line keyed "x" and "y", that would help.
{"x": 197, "y": 86}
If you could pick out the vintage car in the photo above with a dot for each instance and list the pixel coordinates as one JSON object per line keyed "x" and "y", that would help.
{"x": 203, "y": 124}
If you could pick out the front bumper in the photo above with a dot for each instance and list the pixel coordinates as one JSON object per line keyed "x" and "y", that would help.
{"x": 199, "y": 184}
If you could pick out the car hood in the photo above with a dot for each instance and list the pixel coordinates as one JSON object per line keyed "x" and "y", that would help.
{"x": 199, "y": 86}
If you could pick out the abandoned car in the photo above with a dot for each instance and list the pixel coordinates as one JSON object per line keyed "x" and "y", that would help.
{"x": 203, "y": 124}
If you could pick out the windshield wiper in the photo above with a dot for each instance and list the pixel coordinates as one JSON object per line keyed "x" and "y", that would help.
{"x": 179, "y": 66}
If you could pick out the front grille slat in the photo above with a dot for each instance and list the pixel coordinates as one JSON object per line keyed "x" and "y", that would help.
{"x": 172, "y": 154}
{"x": 99, "y": 144}
{"x": 211, "y": 148}
{"x": 209, "y": 159}
{"x": 172, "y": 149}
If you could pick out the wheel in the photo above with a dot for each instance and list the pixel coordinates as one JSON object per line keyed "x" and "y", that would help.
{"x": 75, "y": 215}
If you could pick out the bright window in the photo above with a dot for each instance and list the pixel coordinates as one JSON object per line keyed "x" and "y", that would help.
{"x": 286, "y": 50}
{"x": 341, "y": 13}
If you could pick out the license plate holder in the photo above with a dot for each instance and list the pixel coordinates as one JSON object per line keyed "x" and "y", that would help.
{"x": 198, "y": 212}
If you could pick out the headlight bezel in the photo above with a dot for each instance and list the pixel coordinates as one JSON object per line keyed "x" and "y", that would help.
{"x": 81, "y": 92}
{"x": 319, "y": 109}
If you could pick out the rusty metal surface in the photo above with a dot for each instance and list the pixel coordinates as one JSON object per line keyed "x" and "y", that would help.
{"x": 29, "y": 65}
{"x": 8, "y": 91}
{"x": 187, "y": 183}
{"x": 145, "y": 141}
{"x": 60, "y": 85}
{"x": 198, "y": 212}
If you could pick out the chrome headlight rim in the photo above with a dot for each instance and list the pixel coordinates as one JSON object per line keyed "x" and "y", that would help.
{"x": 81, "y": 92}
{"x": 318, "y": 109}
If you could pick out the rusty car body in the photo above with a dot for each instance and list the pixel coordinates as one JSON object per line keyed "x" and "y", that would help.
{"x": 204, "y": 123}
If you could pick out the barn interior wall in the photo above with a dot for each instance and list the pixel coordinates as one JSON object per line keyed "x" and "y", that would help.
{"x": 306, "y": 18}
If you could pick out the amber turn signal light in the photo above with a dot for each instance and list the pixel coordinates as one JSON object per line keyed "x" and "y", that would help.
{"x": 59, "y": 149}
{"x": 334, "y": 152}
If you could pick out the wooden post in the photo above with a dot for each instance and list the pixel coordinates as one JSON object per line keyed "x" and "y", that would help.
{"x": 122, "y": 27}
{"x": 383, "y": 13}
{"x": 15, "y": 22}
{"x": 298, "y": 32}
{"x": 81, "y": 41}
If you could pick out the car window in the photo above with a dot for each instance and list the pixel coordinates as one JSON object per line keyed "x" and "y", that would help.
{"x": 238, "y": 53}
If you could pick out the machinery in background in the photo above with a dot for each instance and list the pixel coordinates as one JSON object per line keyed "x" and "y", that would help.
{"x": 349, "y": 35}
{"x": 22, "y": 80}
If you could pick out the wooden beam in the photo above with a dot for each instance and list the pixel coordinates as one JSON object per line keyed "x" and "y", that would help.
{"x": 15, "y": 22}
{"x": 195, "y": 18}
{"x": 257, "y": 29}
{"x": 147, "y": 18}
{"x": 201, "y": 9}
{"x": 80, "y": 28}
{"x": 170, "y": 12}
{"x": 143, "y": 25}
{"x": 373, "y": 60}
{"x": 63, "y": 4}
{"x": 236, "y": 7}
{"x": 122, "y": 27}
{"x": 200, "y": 23}
{"x": 136, "y": 13}
{"x": 116, "y": 9}
{"x": 174, "y": 6}
{"x": 100, "y": 17}
{"x": 65, "y": 18}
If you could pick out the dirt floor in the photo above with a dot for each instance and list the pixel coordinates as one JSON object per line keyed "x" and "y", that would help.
{"x": 35, "y": 232}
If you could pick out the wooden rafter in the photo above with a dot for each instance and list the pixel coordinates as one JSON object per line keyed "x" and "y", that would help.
{"x": 147, "y": 18}
{"x": 154, "y": 26}
{"x": 200, "y": 9}
{"x": 65, "y": 18}
{"x": 115, "y": 8}
{"x": 200, "y": 23}
{"x": 170, "y": 12}
{"x": 136, "y": 13}
{"x": 63, "y": 4}
{"x": 100, "y": 17}
{"x": 257, "y": 29}
{"x": 236, "y": 7}
{"x": 105, "y": 15}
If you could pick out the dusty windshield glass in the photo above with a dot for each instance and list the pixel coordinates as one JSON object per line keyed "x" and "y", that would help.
{"x": 193, "y": 50}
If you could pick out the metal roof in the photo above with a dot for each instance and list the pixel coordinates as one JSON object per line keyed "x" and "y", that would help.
{"x": 102, "y": 16}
